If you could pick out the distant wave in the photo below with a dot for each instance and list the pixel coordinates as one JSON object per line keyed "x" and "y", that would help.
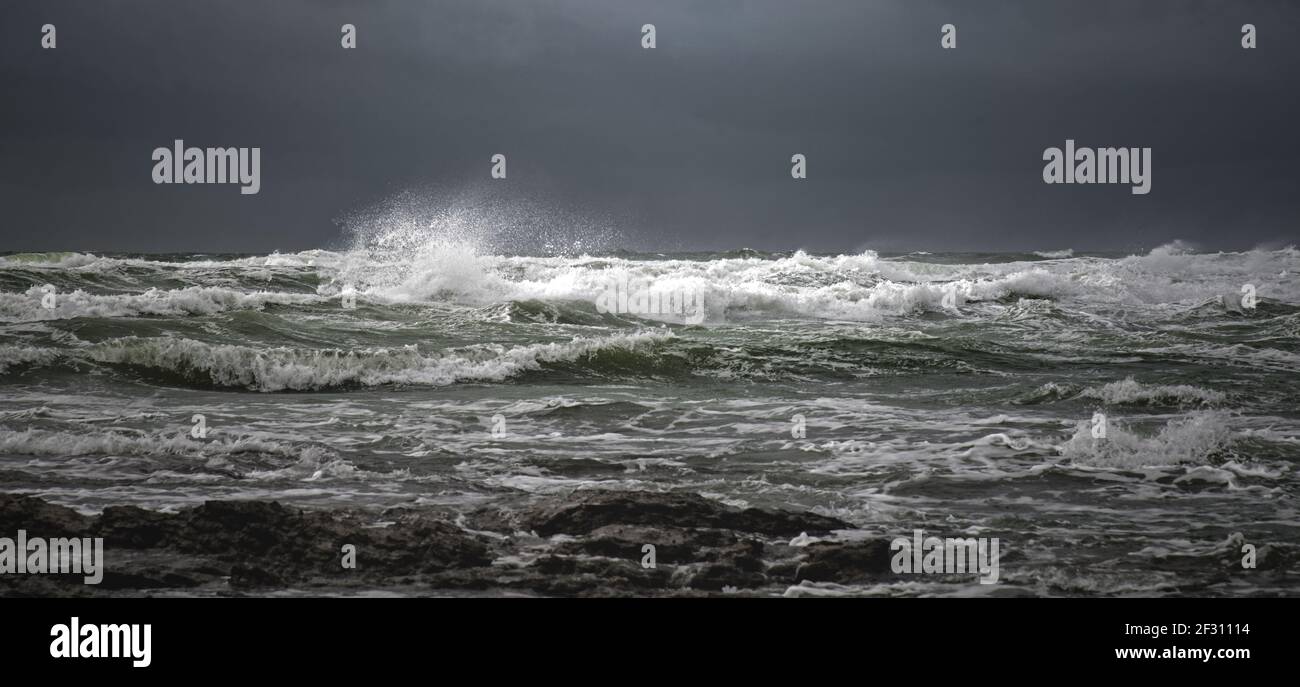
{"x": 63, "y": 259}
{"x": 734, "y": 286}
{"x": 194, "y": 300}
{"x": 860, "y": 287}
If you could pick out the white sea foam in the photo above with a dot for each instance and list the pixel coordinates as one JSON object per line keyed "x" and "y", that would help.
{"x": 42, "y": 442}
{"x": 847, "y": 287}
{"x": 278, "y": 369}
{"x": 195, "y": 300}
{"x": 408, "y": 263}
{"x": 16, "y": 356}
{"x": 1194, "y": 439}
{"x": 1130, "y": 391}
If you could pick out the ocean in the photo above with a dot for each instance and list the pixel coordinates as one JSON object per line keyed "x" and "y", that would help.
{"x": 1125, "y": 424}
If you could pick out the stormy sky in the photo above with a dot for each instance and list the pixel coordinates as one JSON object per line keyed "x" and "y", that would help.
{"x": 683, "y": 147}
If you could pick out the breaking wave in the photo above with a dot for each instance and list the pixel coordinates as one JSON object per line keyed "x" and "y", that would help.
{"x": 1130, "y": 392}
{"x": 282, "y": 368}
{"x": 1197, "y": 439}
{"x": 195, "y": 300}
{"x": 407, "y": 265}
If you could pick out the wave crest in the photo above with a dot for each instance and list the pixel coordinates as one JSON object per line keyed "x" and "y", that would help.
{"x": 195, "y": 300}
{"x": 290, "y": 369}
{"x": 1196, "y": 439}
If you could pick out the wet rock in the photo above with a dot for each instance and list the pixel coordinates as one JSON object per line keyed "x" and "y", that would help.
{"x": 844, "y": 562}
{"x": 673, "y": 545}
{"x": 586, "y": 544}
{"x": 252, "y": 577}
{"x": 586, "y": 511}
{"x": 145, "y": 580}
{"x": 39, "y": 518}
{"x": 714, "y": 577}
{"x": 268, "y": 544}
{"x": 577, "y": 576}
{"x": 131, "y": 527}
{"x": 417, "y": 543}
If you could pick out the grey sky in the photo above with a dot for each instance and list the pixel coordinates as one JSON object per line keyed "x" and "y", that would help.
{"x": 910, "y": 147}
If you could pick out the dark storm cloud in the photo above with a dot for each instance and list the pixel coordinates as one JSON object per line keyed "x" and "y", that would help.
{"x": 683, "y": 147}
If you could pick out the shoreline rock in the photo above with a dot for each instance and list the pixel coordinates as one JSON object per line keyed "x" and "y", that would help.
{"x": 586, "y": 543}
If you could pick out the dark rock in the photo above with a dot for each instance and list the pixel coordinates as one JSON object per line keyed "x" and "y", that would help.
{"x": 673, "y": 545}
{"x": 259, "y": 546}
{"x": 844, "y": 562}
{"x": 131, "y": 527}
{"x": 242, "y": 577}
{"x": 114, "y": 581}
{"x": 269, "y": 545}
{"x": 578, "y": 576}
{"x": 241, "y": 528}
{"x": 39, "y": 518}
{"x": 425, "y": 543}
{"x": 714, "y": 577}
{"x": 586, "y": 511}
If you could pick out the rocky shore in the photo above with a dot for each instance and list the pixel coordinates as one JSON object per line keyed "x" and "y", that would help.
{"x": 587, "y": 543}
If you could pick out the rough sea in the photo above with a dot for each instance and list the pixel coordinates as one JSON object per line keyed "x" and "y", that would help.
{"x": 1124, "y": 423}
